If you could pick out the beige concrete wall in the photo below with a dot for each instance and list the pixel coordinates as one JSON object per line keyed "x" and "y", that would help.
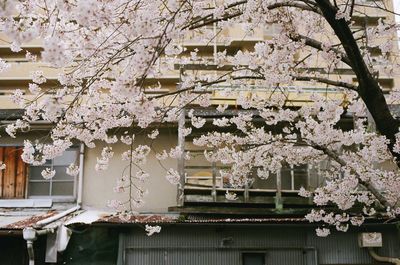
{"x": 98, "y": 185}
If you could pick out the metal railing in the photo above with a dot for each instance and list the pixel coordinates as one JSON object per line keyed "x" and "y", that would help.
{"x": 206, "y": 178}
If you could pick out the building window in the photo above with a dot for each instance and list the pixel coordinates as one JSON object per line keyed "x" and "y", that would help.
{"x": 61, "y": 185}
{"x": 294, "y": 177}
{"x": 290, "y": 177}
{"x": 19, "y": 180}
{"x": 253, "y": 258}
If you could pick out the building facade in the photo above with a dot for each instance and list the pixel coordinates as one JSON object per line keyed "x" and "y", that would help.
{"x": 65, "y": 220}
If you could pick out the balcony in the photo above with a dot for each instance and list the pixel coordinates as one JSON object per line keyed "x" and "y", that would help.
{"x": 204, "y": 185}
{"x": 204, "y": 188}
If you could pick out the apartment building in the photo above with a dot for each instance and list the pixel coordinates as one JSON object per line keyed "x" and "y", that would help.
{"x": 65, "y": 220}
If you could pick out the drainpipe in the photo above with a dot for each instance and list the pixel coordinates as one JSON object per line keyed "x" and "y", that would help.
{"x": 376, "y": 257}
{"x": 80, "y": 178}
{"x": 30, "y": 233}
{"x": 56, "y": 217}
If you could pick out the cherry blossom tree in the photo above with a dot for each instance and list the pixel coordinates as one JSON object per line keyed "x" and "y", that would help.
{"x": 106, "y": 50}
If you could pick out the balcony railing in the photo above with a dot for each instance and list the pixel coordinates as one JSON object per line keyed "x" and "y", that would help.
{"x": 203, "y": 184}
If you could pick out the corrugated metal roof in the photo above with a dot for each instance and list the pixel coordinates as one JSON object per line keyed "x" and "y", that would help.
{"x": 28, "y": 219}
{"x": 140, "y": 219}
{"x": 245, "y": 220}
{"x": 94, "y": 217}
{"x": 13, "y": 222}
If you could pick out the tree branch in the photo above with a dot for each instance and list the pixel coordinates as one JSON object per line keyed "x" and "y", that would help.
{"x": 326, "y": 81}
{"x": 206, "y": 22}
{"x": 319, "y": 46}
{"x": 368, "y": 185}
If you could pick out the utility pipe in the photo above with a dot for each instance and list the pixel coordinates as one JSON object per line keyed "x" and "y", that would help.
{"x": 376, "y": 257}
{"x": 80, "y": 176}
{"x": 30, "y": 234}
{"x": 53, "y": 218}
{"x": 31, "y": 253}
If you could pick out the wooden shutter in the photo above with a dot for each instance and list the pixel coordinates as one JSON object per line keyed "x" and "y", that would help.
{"x": 13, "y": 178}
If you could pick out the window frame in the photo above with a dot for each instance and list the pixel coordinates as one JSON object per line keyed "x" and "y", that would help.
{"x": 54, "y": 198}
{"x": 292, "y": 174}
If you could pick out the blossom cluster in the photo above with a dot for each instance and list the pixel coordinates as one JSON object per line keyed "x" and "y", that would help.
{"x": 107, "y": 53}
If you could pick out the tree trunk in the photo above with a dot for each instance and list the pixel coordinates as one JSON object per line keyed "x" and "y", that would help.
{"x": 368, "y": 87}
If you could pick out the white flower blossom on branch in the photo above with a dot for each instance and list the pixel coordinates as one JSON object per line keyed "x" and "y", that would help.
{"x": 48, "y": 173}
{"x": 150, "y": 230}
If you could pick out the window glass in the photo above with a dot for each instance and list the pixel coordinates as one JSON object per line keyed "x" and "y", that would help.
{"x": 47, "y": 163}
{"x": 39, "y": 188}
{"x": 61, "y": 184}
{"x": 62, "y": 188}
{"x": 286, "y": 178}
{"x": 61, "y": 173}
{"x": 35, "y": 173}
{"x": 269, "y": 183}
{"x": 300, "y": 176}
{"x": 66, "y": 159}
{"x": 293, "y": 178}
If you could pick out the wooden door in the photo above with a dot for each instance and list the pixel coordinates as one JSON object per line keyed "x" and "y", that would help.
{"x": 13, "y": 178}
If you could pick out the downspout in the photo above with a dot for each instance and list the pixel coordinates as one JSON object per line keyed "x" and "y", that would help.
{"x": 80, "y": 179}
{"x": 31, "y": 253}
{"x": 30, "y": 233}
{"x": 376, "y": 257}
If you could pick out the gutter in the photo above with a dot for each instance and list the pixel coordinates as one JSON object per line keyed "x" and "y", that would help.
{"x": 30, "y": 234}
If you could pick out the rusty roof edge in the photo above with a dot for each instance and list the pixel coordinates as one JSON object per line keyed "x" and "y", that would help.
{"x": 93, "y": 217}
{"x": 28, "y": 222}
{"x": 181, "y": 219}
